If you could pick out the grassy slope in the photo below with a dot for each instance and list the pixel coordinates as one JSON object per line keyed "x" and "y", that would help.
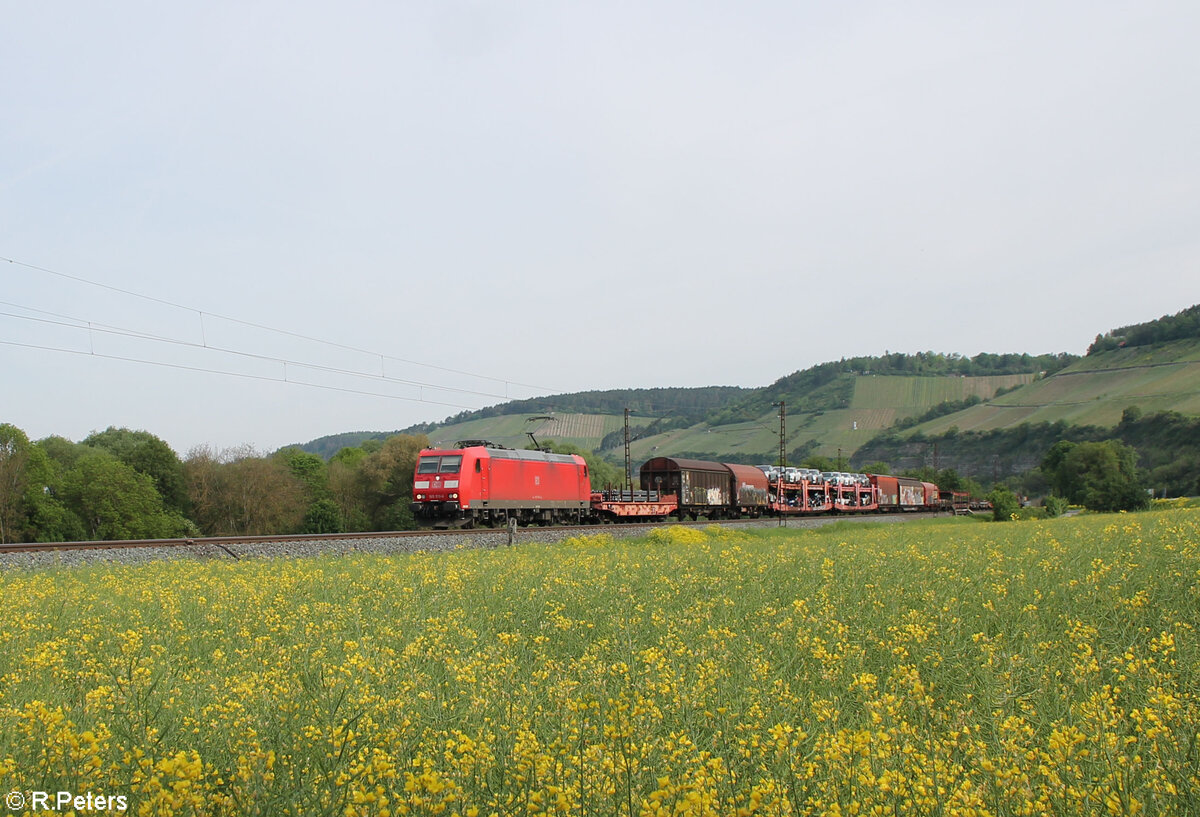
{"x": 876, "y": 403}
{"x": 1094, "y": 391}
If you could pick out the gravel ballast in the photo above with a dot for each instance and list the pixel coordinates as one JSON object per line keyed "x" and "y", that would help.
{"x": 303, "y": 548}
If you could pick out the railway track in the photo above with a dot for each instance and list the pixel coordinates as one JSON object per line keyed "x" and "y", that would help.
{"x": 237, "y": 547}
{"x": 215, "y": 541}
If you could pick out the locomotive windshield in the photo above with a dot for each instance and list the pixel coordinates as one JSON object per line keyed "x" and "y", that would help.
{"x": 439, "y": 465}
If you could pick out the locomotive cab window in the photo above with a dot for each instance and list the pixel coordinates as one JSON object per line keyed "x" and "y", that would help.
{"x": 439, "y": 465}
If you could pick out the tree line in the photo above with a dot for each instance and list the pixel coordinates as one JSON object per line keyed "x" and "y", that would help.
{"x": 123, "y": 484}
{"x": 681, "y": 406}
{"x": 1182, "y": 325}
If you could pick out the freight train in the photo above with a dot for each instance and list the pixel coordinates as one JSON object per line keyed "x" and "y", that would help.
{"x": 483, "y": 484}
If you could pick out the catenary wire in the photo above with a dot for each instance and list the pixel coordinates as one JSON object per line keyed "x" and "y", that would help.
{"x": 299, "y": 336}
{"x": 71, "y": 322}
{"x": 231, "y": 374}
{"x": 83, "y": 324}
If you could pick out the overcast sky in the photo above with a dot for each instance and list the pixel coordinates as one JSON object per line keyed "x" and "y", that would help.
{"x": 426, "y": 207}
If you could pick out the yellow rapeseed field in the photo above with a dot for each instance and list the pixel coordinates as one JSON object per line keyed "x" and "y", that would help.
{"x": 950, "y": 668}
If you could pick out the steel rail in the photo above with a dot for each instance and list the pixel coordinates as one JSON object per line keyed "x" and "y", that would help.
{"x": 219, "y": 541}
{"x": 26, "y": 547}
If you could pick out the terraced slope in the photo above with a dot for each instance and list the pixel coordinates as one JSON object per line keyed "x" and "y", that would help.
{"x": 875, "y": 403}
{"x": 912, "y": 395}
{"x": 1094, "y": 391}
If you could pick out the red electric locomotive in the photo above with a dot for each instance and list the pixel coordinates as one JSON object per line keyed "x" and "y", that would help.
{"x": 482, "y": 484}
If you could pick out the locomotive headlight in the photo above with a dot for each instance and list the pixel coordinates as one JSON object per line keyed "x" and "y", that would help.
{"x": 454, "y": 496}
{"x": 420, "y": 496}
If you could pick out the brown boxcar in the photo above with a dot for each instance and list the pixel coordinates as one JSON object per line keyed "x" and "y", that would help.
{"x": 903, "y": 494}
{"x": 715, "y": 490}
{"x": 751, "y": 492}
{"x": 703, "y": 487}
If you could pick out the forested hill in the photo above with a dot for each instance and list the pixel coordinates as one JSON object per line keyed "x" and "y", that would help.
{"x": 823, "y": 387}
{"x": 692, "y": 404}
{"x": 1183, "y": 325}
{"x": 725, "y": 404}
{"x": 680, "y": 407}
{"x": 819, "y": 396}
{"x": 830, "y": 385}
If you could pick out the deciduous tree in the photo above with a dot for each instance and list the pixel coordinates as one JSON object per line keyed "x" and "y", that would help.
{"x": 14, "y": 482}
{"x": 387, "y": 477}
{"x": 239, "y": 492}
{"x": 1102, "y": 476}
{"x": 114, "y": 501}
{"x": 149, "y": 455}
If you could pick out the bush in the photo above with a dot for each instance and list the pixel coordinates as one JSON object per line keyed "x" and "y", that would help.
{"x": 1004, "y": 504}
{"x": 323, "y": 516}
{"x": 1055, "y": 506}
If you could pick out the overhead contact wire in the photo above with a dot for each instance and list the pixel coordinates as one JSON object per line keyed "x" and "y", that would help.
{"x": 263, "y": 327}
{"x": 231, "y": 374}
{"x": 70, "y": 322}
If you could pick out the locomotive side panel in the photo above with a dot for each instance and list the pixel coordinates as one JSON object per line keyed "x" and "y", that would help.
{"x": 534, "y": 479}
